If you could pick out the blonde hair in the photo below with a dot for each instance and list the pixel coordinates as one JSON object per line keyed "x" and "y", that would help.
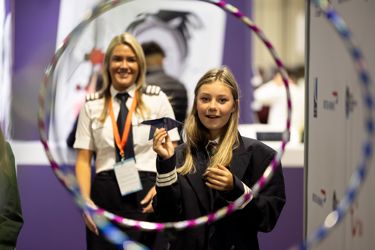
{"x": 197, "y": 134}
{"x": 129, "y": 40}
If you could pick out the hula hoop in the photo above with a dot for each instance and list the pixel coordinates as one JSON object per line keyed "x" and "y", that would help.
{"x": 100, "y": 215}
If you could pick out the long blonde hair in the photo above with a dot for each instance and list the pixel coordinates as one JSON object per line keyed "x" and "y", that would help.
{"x": 197, "y": 134}
{"x": 129, "y": 40}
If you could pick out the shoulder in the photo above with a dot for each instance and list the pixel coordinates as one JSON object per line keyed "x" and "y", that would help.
{"x": 153, "y": 93}
{"x": 151, "y": 90}
{"x": 94, "y": 102}
{"x": 260, "y": 155}
{"x": 256, "y": 146}
{"x": 93, "y": 96}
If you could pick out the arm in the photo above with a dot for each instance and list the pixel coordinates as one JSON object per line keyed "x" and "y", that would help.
{"x": 85, "y": 147}
{"x": 265, "y": 209}
{"x": 166, "y": 203}
{"x": 83, "y": 173}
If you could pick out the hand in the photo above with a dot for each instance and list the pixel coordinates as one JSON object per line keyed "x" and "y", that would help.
{"x": 162, "y": 144}
{"x": 148, "y": 200}
{"x": 88, "y": 219}
{"x": 219, "y": 178}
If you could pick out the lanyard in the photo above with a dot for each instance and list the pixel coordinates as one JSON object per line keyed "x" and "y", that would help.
{"x": 121, "y": 143}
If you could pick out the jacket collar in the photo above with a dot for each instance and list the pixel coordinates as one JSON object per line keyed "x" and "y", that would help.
{"x": 240, "y": 160}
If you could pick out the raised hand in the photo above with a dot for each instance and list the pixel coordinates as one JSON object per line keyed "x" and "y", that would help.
{"x": 162, "y": 144}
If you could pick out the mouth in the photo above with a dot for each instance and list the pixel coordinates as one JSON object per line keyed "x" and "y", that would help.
{"x": 123, "y": 73}
{"x": 212, "y": 116}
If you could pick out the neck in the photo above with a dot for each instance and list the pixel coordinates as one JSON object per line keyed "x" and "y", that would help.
{"x": 121, "y": 88}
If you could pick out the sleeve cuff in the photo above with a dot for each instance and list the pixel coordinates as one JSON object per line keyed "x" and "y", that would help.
{"x": 239, "y": 189}
{"x": 247, "y": 190}
{"x": 166, "y": 171}
{"x": 83, "y": 144}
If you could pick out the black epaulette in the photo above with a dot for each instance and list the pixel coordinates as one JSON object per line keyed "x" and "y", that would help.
{"x": 151, "y": 90}
{"x": 93, "y": 96}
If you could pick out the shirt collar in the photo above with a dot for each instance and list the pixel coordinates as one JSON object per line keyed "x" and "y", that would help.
{"x": 216, "y": 141}
{"x": 130, "y": 91}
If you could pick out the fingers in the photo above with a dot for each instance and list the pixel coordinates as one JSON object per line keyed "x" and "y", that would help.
{"x": 90, "y": 223}
{"x": 159, "y": 136}
{"x": 216, "y": 187}
{"x": 162, "y": 144}
{"x": 148, "y": 200}
{"x": 148, "y": 209}
{"x": 150, "y": 194}
{"x": 219, "y": 178}
{"x": 216, "y": 172}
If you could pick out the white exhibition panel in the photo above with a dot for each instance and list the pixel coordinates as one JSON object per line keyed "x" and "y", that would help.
{"x": 335, "y": 130}
{"x": 32, "y": 152}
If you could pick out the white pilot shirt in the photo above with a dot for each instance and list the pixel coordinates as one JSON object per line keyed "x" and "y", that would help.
{"x": 98, "y": 137}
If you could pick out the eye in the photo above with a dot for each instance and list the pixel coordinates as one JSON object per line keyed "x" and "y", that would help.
{"x": 204, "y": 99}
{"x": 132, "y": 59}
{"x": 223, "y": 100}
{"x": 116, "y": 58}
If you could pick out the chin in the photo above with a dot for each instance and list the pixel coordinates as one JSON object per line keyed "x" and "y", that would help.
{"x": 122, "y": 86}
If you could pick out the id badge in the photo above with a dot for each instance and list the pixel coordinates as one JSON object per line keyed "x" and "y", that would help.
{"x": 127, "y": 177}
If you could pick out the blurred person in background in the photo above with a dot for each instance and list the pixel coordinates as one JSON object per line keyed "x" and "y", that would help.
{"x": 156, "y": 75}
{"x": 11, "y": 220}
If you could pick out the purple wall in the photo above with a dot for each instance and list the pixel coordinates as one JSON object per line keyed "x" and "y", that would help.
{"x": 289, "y": 228}
{"x": 51, "y": 218}
{"x": 238, "y": 56}
{"x": 35, "y": 29}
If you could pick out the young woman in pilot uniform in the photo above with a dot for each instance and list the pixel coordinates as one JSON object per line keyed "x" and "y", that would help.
{"x": 193, "y": 180}
{"x": 120, "y": 152}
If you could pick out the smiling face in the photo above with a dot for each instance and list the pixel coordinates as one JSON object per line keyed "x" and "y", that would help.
{"x": 215, "y": 104}
{"x": 123, "y": 67}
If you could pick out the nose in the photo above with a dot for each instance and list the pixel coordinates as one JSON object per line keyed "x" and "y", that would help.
{"x": 124, "y": 64}
{"x": 212, "y": 105}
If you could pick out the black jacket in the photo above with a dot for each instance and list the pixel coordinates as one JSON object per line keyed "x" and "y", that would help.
{"x": 190, "y": 198}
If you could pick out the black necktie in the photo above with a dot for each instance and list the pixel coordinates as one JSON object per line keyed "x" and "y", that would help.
{"x": 121, "y": 118}
{"x": 211, "y": 148}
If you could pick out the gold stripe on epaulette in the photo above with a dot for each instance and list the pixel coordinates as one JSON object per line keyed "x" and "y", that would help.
{"x": 152, "y": 90}
{"x": 92, "y": 96}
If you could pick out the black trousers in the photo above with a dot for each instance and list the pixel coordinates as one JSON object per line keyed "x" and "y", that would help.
{"x": 106, "y": 194}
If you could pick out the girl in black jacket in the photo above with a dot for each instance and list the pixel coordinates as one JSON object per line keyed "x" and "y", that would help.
{"x": 214, "y": 167}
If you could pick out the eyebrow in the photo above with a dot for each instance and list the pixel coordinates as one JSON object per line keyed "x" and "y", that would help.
{"x": 221, "y": 95}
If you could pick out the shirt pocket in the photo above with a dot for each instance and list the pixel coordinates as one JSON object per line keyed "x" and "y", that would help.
{"x": 102, "y": 134}
{"x": 141, "y": 133}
